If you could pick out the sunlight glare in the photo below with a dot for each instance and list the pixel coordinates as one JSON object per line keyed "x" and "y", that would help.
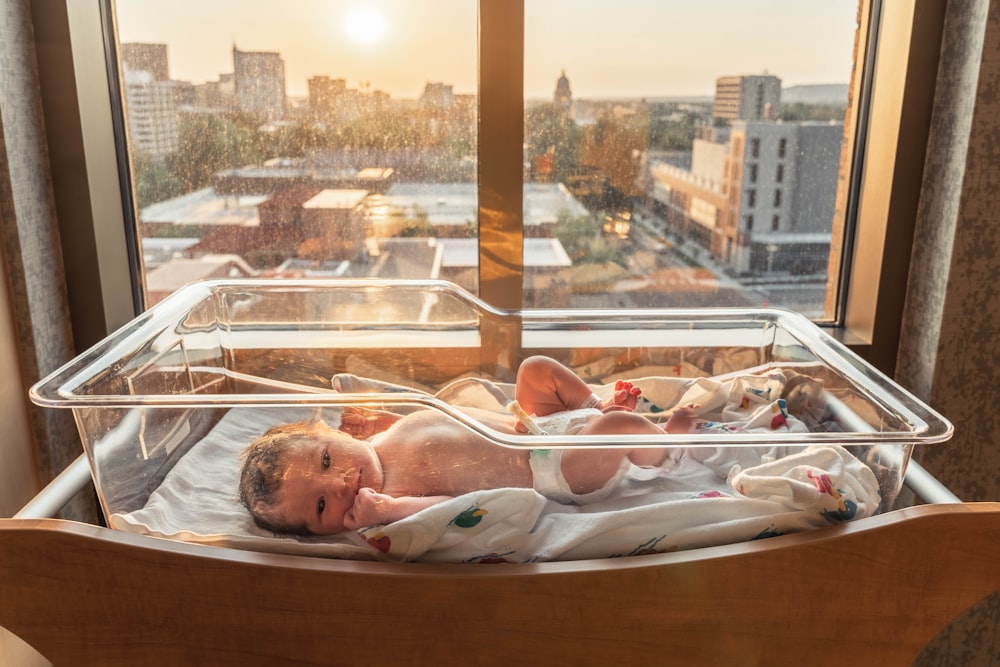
{"x": 365, "y": 25}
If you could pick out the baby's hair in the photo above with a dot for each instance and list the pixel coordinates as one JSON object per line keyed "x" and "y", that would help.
{"x": 265, "y": 462}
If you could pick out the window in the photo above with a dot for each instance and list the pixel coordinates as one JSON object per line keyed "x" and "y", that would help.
{"x": 777, "y": 198}
{"x": 705, "y": 133}
{"x": 302, "y": 154}
{"x": 782, "y": 147}
{"x": 751, "y": 198}
{"x": 299, "y": 154}
{"x": 775, "y": 222}
{"x": 779, "y": 173}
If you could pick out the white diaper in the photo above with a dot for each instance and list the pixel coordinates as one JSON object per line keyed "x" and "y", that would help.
{"x": 567, "y": 422}
{"x": 548, "y": 480}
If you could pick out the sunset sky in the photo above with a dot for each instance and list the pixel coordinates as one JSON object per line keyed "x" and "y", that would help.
{"x": 608, "y": 48}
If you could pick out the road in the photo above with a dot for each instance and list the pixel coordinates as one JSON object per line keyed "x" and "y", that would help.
{"x": 804, "y": 295}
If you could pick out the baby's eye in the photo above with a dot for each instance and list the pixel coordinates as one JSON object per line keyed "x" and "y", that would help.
{"x": 326, "y": 460}
{"x": 321, "y": 505}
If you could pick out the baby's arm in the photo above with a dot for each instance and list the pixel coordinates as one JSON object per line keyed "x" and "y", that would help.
{"x": 371, "y": 508}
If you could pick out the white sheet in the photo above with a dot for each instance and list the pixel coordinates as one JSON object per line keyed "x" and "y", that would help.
{"x": 702, "y": 497}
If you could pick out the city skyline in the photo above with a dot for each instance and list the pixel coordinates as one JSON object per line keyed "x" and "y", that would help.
{"x": 807, "y": 42}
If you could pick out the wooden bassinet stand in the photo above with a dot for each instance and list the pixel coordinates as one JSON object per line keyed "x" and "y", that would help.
{"x": 870, "y": 592}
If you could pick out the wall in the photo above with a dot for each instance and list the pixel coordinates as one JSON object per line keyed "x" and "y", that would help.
{"x": 19, "y": 479}
{"x": 34, "y": 285}
{"x": 32, "y": 301}
{"x": 18, "y": 471}
{"x": 950, "y": 340}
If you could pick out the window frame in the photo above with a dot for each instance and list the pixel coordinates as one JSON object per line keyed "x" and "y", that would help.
{"x": 880, "y": 214}
{"x": 93, "y": 195}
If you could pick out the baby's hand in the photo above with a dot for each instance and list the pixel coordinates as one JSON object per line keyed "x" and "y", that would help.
{"x": 682, "y": 419}
{"x": 363, "y": 423}
{"x": 370, "y": 508}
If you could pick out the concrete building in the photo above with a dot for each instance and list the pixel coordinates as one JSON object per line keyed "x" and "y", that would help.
{"x": 280, "y": 173}
{"x": 747, "y": 98}
{"x": 299, "y": 221}
{"x": 151, "y": 99}
{"x": 784, "y": 189}
{"x": 451, "y": 210}
{"x": 177, "y": 272}
{"x": 151, "y": 113}
{"x": 217, "y": 95}
{"x": 763, "y": 201}
{"x": 324, "y": 96}
{"x": 333, "y": 224}
{"x": 259, "y": 78}
{"x": 437, "y": 96}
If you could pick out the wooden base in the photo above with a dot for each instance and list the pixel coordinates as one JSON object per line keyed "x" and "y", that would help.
{"x": 870, "y": 592}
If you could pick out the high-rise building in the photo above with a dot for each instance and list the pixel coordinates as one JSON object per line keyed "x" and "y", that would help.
{"x": 747, "y": 97}
{"x": 762, "y": 201}
{"x": 151, "y": 112}
{"x": 438, "y": 96}
{"x": 220, "y": 95}
{"x": 151, "y": 58}
{"x": 151, "y": 99}
{"x": 259, "y": 78}
{"x": 785, "y": 191}
{"x": 324, "y": 95}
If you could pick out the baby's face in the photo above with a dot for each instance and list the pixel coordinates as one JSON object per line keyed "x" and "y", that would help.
{"x": 322, "y": 478}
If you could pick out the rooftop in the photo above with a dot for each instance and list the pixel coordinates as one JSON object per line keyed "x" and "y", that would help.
{"x": 204, "y": 207}
{"x": 338, "y": 199}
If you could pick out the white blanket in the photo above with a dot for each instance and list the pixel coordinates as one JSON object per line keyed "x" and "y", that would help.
{"x": 702, "y": 497}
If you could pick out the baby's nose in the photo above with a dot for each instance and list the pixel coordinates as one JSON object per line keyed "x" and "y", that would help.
{"x": 337, "y": 486}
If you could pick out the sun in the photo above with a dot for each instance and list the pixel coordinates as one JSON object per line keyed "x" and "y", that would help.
{"x": 365, "y": 25}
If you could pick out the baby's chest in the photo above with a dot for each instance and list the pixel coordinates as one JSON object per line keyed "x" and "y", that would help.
{"x": 451, "y": 466}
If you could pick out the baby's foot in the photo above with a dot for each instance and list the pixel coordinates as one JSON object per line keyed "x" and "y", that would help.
{"x": 363, "y": 423}
{"x": 624, "y": 398}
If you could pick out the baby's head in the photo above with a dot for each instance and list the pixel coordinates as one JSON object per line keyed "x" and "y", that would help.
{"x": 302, "y": 478}
{"x": 265, "y": 466}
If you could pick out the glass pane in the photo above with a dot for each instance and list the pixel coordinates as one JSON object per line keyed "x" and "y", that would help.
{"x": 668, "y": 128}
{"x": 306, "y": 138}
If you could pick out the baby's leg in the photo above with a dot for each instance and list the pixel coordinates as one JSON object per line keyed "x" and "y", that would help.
{"x": 587, "y": 470}
{"x": 545, "y": 386}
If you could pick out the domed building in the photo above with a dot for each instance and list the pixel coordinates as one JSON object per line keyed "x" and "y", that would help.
{"x": 563, "y": 98}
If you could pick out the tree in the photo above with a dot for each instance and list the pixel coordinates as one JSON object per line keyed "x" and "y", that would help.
{"x": 615, "y": 146}
{"x": 552, "y": 139}
{"x": 576, "y": 232}
{"x": 418, "y": 225}
{"x": 154, "y": 181}
{"x": 672, "y": 133}
{"x": 381, "y": 130}
{"x": 292, "y": 140}
{"x": 800, "y": 111}
{"x": 207, "y": 144}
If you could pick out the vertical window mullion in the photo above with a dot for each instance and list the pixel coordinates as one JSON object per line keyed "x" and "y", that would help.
{"x": 501, "y": 137}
